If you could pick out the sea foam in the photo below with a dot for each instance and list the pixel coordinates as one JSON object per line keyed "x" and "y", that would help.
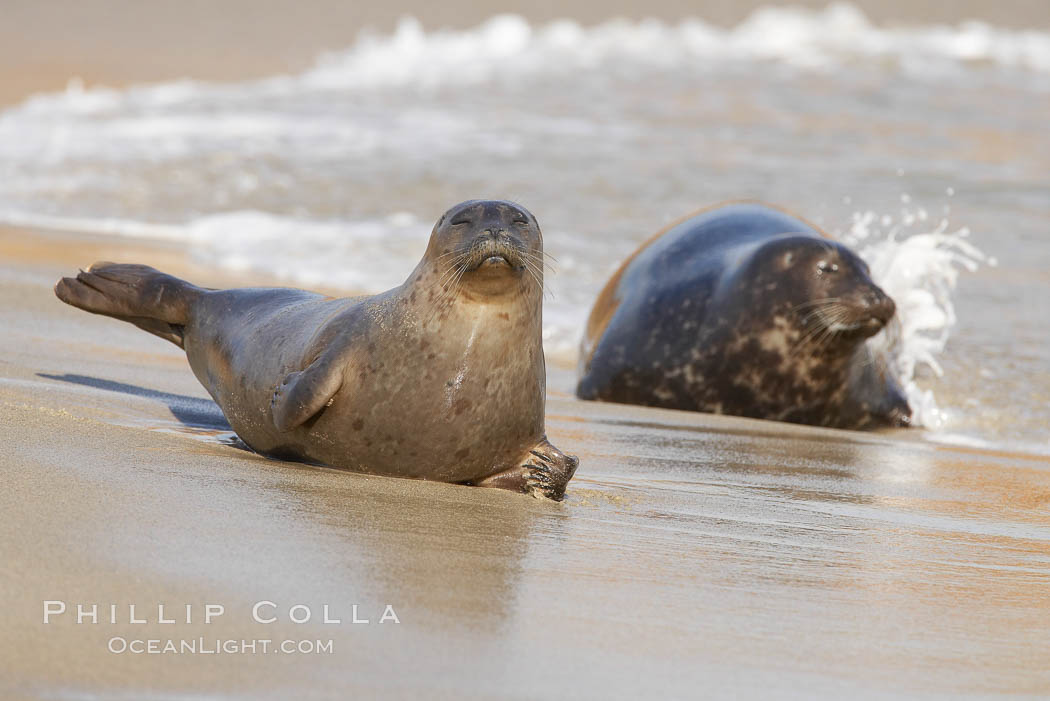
{"x": 812, "y": 39}
{"x": 918, "y": 266}
{"x": 509, "y": 46}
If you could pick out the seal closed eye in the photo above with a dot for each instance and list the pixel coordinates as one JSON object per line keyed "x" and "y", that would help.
{"x": 744, "y": 310}
{"x": 441, "y": 378}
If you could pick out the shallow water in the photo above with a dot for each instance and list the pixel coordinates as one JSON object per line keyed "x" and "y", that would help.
{"x": 335, "y": 176}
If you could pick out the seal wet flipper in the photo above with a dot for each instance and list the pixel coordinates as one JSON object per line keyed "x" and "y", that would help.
{"x": 545, "y": 472}
{"x": 300, "y": 395}
{"x": 141, "y": 295}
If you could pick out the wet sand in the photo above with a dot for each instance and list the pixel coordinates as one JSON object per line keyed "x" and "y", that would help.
{"x": 694, "y": 555}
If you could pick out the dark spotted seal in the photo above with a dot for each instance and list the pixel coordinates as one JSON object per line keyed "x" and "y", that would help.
{"x": 441, "y": 378}
{"x": 744, "y": 310}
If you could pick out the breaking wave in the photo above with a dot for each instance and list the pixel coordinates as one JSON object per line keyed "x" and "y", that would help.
{"x": 917, "y": 263}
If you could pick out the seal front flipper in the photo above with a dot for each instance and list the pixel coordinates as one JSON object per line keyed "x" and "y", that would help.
{"x": 545, "y": 472}
{"x": 300, "y": 395}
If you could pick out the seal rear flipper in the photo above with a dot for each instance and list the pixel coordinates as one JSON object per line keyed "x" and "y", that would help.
{"x": 301, "y": 395}
{"x": 141, "y": 295}
{"x": 545, "y": 472}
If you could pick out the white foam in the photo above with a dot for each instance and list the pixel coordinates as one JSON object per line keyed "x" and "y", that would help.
{"x": 919, "y": 269}
{"x": 509, "y": 47}
{"x": 93, "y": 225}
{"x": 364, "y": 256}
{"x": 970, "y": 441}
{"x": 813, "y": 39}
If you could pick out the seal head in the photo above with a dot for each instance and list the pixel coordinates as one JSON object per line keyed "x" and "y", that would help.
{"x": 486, "y": 248}
{"x": 748, "y": 311}
{"x": 827, "y": 291}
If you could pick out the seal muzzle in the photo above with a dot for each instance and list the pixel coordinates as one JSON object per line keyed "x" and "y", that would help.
{"x": 495, "y": 249}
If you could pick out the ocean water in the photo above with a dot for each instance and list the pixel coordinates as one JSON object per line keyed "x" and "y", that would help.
{"x": 925, "y": 147}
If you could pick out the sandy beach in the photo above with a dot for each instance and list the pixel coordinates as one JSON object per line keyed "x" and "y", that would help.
{"x": 695, "y": 556}
{"x": 693, "y": 552}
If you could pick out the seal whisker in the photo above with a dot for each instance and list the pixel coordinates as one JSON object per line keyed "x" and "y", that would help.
{"x": 459, "y": 258}
{"x": 542, "y": 262}
{"x": 447, "y": 296}
{"x": 448, "y": 285}
{"x": 821, "y": 314}
{"x": 452, "y": 262}
{"x": 827, "y": 332}
{"x": 449, "y": 275}
{"x": 453, "y": 267}
{"x": 810, "y": 336}
{"x": 869, "y": 357}
{"x": 537, "y": 274}
{"x": 453, "y": 258}
{"x": 817, "y": 302}
{"x": 827, "y": 316}
{"x": 533, "y": 268}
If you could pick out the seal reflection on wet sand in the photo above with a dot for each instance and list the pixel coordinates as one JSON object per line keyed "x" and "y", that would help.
{"x": 441, "y": 378}
{"x": 744, "y": 310}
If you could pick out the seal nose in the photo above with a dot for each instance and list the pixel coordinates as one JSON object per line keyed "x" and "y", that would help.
{"x": 881, "y": 305}
{"x": 887, "y": 308}
{"x": 500, "y": 238}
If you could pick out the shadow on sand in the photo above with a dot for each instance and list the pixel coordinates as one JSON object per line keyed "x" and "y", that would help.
{"x": 192, "y": 412}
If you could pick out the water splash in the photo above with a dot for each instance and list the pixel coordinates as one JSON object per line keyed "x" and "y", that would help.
{"x": 918, "y": 266}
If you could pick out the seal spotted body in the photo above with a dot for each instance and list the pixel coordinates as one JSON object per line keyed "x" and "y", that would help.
{"x": 745, "y": 310}
{"x": 441, "y": 378}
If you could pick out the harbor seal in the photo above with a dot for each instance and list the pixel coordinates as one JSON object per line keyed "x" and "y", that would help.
{"x": 745, "y": 310}
{"x": 441, "y": 378}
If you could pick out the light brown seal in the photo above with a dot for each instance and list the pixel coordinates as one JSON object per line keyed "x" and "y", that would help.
{"x": 441, "y": 378}
{"x": 745, "y": 310}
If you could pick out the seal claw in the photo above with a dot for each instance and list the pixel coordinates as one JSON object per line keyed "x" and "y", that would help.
{"x": 548, "y": 472}
{"x": 280, "y": 389}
